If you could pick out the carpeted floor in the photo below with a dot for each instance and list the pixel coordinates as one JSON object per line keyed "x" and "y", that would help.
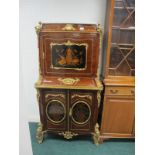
{"x": 56, "y": 145}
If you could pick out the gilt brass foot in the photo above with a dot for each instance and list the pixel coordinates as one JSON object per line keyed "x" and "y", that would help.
{"x": 40, "y": 133}
{"x": 96, "y": 134}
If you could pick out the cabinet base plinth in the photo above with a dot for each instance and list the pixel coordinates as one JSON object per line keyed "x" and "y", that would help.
{"x": 116, "y": 136}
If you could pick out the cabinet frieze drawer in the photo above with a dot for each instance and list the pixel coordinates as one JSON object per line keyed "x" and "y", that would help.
{"x": 119, "y": 91}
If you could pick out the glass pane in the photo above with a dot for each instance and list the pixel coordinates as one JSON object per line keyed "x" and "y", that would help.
{"x": 80, "y": 112}
{"x": 123, "y": 36}
{"x": 116, "y": 57}
{"x": 121, "y": 3}
{"x": 131, "y": 59}
{"x": 118, "y": 3}
{"x": 123, "y": 69}
{"x": 133, "y": 73}
{"x": 55, "y": 111}
{"x": 130, "y": 3}
{"x": 122, "y": 53}
{"x": 124, "y": 18}
{"x": 122, "y": 60}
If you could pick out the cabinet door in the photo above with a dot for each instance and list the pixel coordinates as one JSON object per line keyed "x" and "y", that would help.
{"x": 82, "y": 109}
{"x": 118, "y": 116}
{"x": 55, "y": 110}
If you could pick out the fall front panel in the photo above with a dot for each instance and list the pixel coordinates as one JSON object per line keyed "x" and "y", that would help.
{"x": 72, "y": 54}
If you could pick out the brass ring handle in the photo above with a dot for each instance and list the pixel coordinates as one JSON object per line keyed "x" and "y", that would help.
{"x": 133, "y": 92}
{"x": 114, "y": 91}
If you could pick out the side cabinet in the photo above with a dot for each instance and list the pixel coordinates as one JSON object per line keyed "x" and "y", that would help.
{"x": 118, "y": 113}
{"x": 68, "y": 112}
{"x": 68, "y": 86}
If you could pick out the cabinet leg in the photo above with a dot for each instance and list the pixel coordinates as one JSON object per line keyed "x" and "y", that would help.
{"x": 40, "y": 133}
{"x": 96, "y": 135}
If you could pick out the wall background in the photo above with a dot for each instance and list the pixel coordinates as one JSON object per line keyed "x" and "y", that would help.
{"x": 57, "y": 11}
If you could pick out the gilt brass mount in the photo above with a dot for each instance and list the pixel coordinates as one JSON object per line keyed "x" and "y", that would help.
{"x": 82, "y": 96}
{"x": 54, "y": 95}
{"x": 69, "y": 81}
{"x": 99, "y": 97}
{"x": 40, "y": 133}
{"x": 68, "y": 27}
{"x": 38, "y": 28}
{"x": 96, "y": 134}
{"x": 68, "y": 134}
{"x": 99, "y": 29}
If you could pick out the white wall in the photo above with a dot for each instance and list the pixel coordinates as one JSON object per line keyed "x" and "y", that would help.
{"x": 32, "y": 11}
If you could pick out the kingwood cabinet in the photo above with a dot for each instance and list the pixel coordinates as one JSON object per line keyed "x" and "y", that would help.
{"x": 68, "y": 89}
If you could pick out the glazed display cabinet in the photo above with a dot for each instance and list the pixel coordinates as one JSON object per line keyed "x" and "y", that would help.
{"x": 68, "y": 89}
{"x": 118, "y": 113}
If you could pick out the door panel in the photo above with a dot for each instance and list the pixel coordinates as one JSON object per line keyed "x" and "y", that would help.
{"x": 118, "y": 115}
{"x": 81, "y": 111}
{"x": 56, "y": 110}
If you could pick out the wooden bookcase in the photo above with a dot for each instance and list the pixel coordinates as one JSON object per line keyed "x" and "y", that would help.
{"x": 118, "y": 114}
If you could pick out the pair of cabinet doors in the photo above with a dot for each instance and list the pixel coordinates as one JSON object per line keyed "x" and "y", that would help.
{"x": 68, "y": 110}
